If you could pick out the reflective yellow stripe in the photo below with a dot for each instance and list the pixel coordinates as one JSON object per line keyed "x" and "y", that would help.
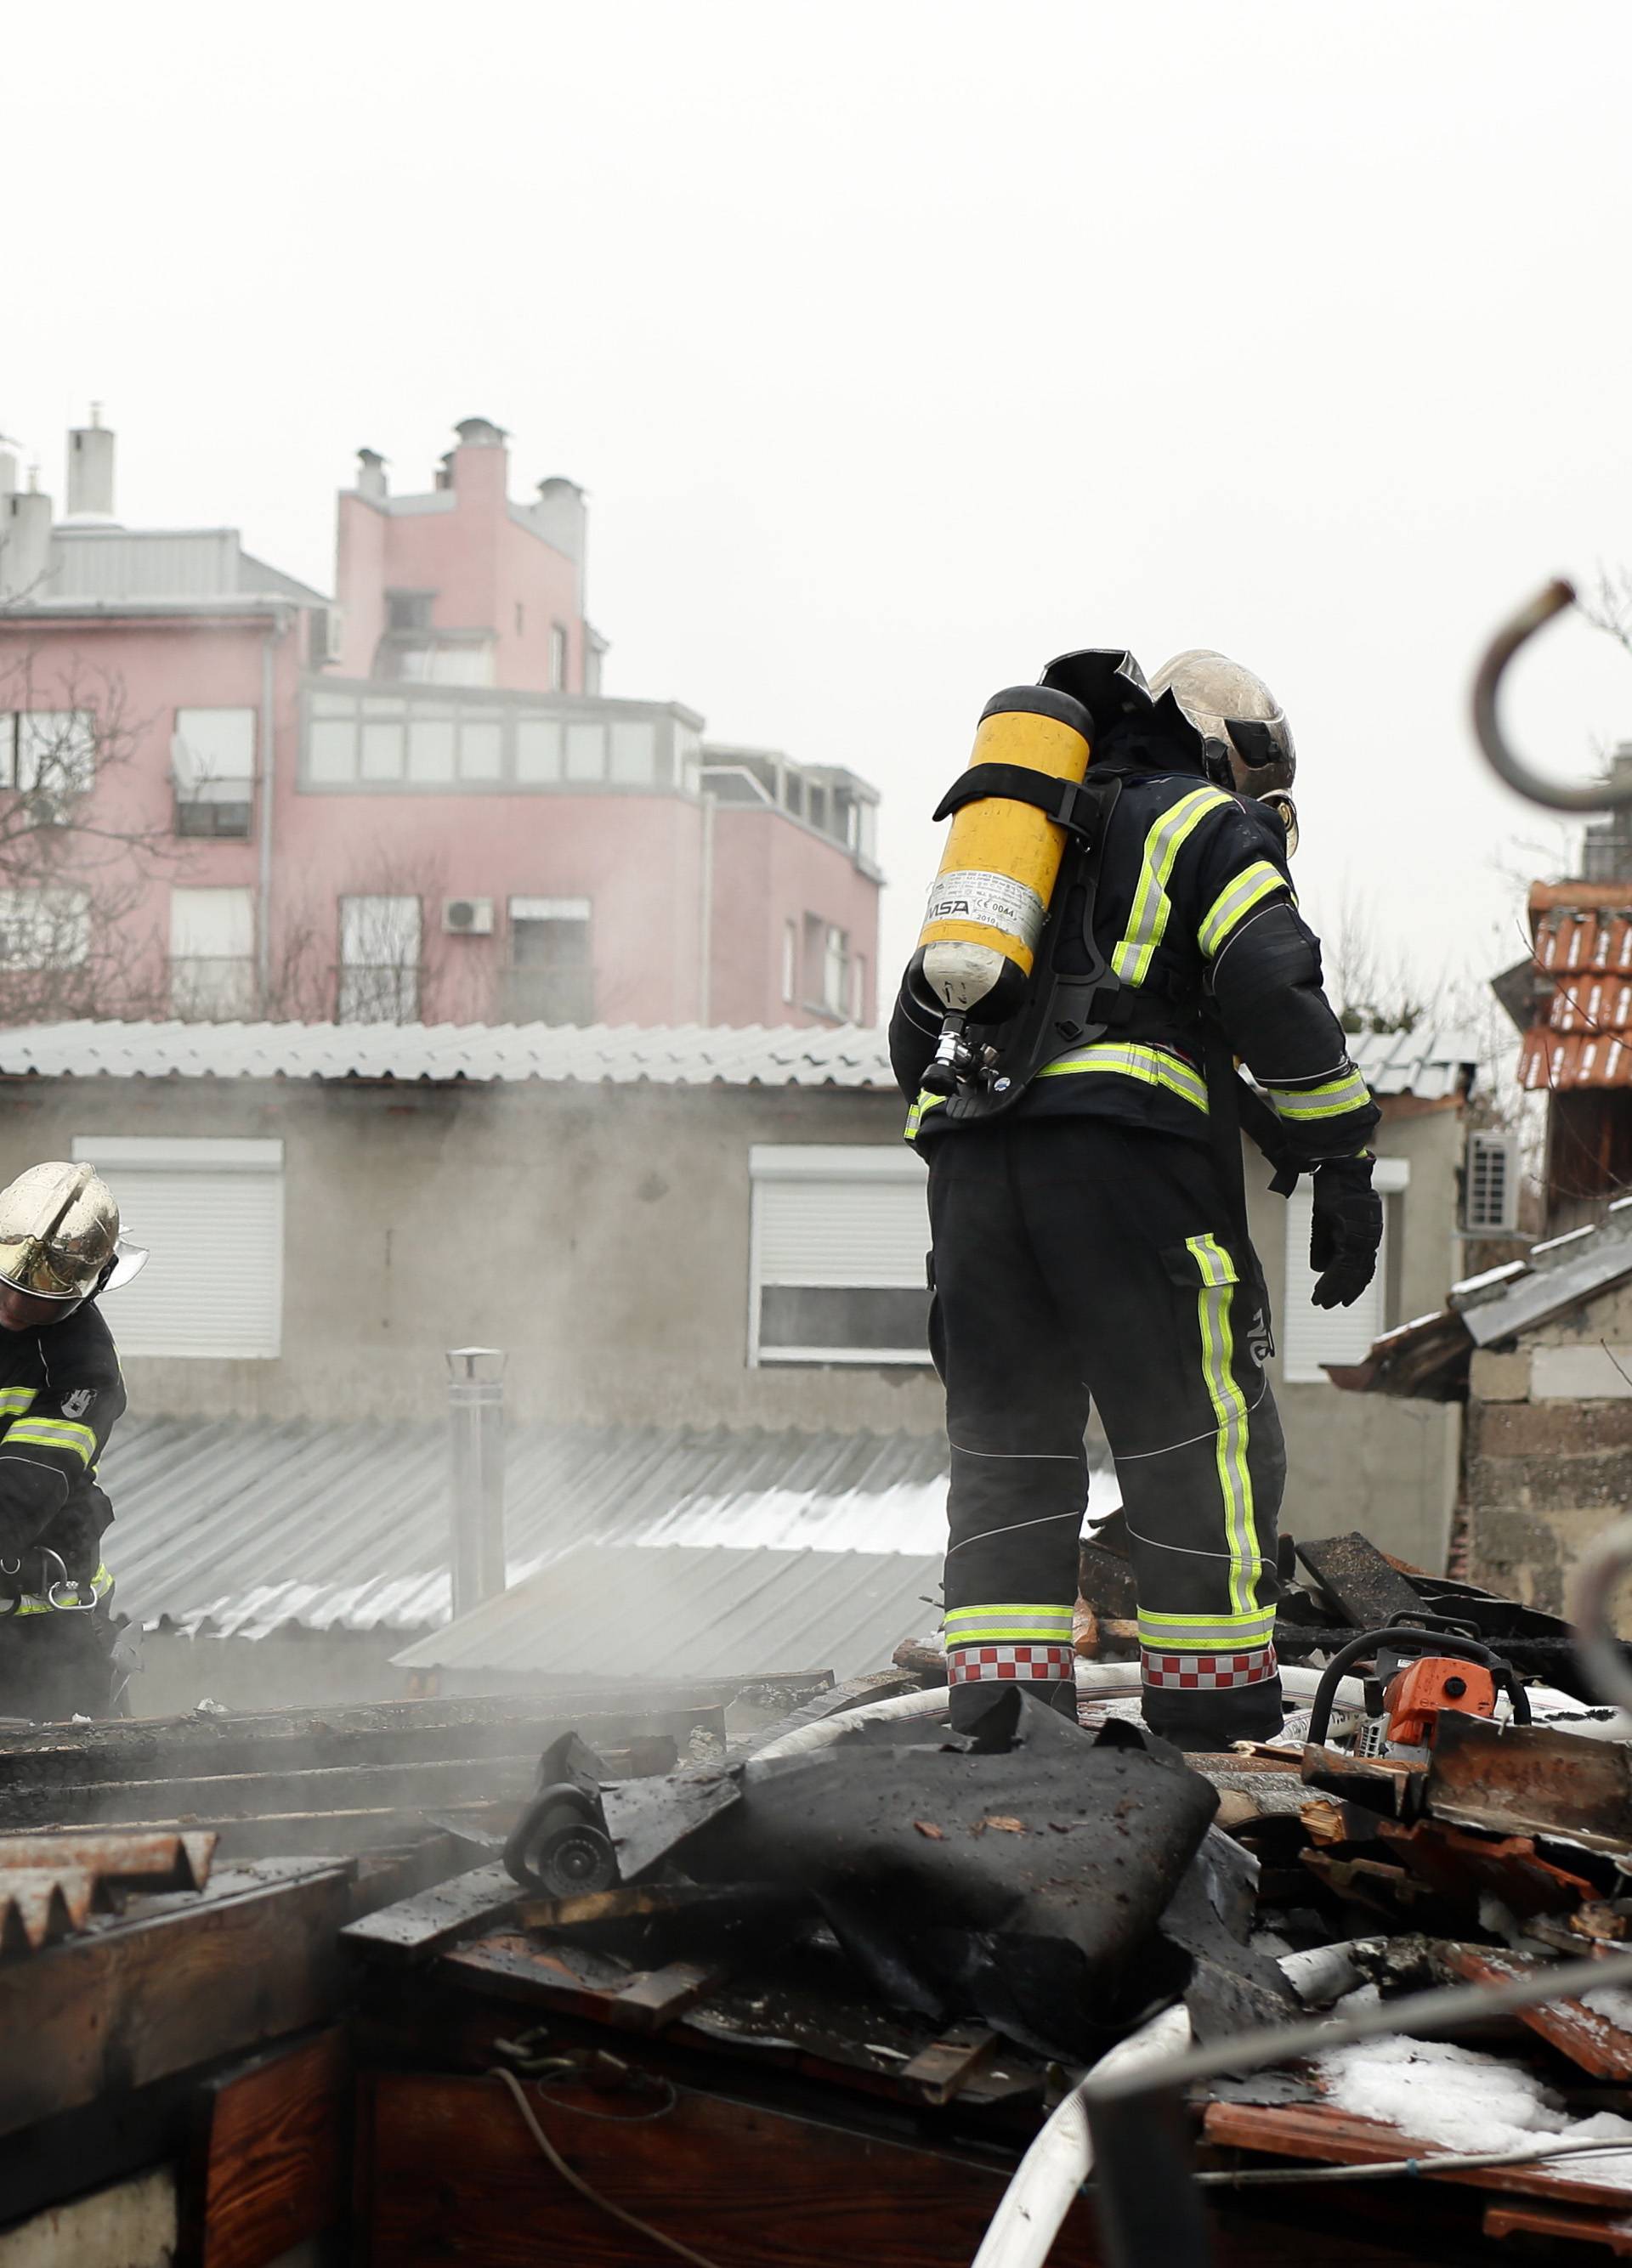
{"x": 15, "y": 1399}
{"x": 1334, "y": 1099}
{"x": 101, "y": 1584}
{"x": 916, "y": 1116}
{"x": 1208, "y": 1633}
{"x": 54, "y": 1434}
{"x": 1006, "y": 1625}
{"x": 1147, "y": 923}
{"x": 1155, "y": 1066}
{"x": 1235, "y": 1480}
{"x": 1233, "y": 902}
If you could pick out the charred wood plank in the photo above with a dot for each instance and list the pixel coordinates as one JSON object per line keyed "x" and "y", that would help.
{"x": 1562, "y": 2226}
{"x": 416, "y": 1928}
{"x": 1594, "y": 2044}
{"x": 944, "y": 2069}
{"x": 1336, "y": 2138}
{"x": 191, "y": 1978}
{"x": 1366, "y": 1588}
{"x": 382, "y": 1732}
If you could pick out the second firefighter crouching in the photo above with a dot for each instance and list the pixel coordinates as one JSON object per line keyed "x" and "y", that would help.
{"x": 1088, "y": 1213}
{"x": 61, "y": 1394}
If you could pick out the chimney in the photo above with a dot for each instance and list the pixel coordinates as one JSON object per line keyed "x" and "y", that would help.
{"x": 371, "y": 476}
{"x": 561, "y": 516}
{"x": 90, "y": 470}
{"x": 476, "y": 1410}
{"x": 480, "y": 433}
{"x": 25, "y": 540}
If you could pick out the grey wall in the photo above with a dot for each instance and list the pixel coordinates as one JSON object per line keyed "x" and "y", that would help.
{"x": 598, "y": 1233}
{"x": 1550, "y": 1450}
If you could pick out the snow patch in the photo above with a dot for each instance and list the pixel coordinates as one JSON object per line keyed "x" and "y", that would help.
{"x": 1464, "y": 2101}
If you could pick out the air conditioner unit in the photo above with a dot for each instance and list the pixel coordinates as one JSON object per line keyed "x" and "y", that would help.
{"x": 328, "y": 635}
{"x": 1490, "y": 1185}
{"x": 468, "y": 916}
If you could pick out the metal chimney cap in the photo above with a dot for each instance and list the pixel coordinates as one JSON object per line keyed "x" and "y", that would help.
{"x": 463, "y": 1362}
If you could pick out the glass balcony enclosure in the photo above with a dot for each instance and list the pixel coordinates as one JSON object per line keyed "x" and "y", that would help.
{"x": 361, "y": 738}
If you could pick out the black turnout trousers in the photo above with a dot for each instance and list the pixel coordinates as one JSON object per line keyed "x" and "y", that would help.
{"x": 1077, "y": 1257}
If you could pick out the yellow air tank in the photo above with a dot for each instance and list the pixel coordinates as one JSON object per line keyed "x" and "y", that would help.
{"x": 989, "y": 902}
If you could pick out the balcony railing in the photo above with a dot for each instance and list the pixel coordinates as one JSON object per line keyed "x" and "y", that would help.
{"x": 212, "y": 988}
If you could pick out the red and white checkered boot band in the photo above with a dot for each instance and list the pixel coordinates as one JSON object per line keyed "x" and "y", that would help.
{"x": 1209, "y": 1673}
{"x": 969, "y": 1665}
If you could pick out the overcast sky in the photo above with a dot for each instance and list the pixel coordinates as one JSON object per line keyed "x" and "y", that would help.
{"x": 900, "y": 345}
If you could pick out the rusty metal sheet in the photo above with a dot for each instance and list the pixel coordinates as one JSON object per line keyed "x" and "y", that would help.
{"x": 1530, "y": 1779}
{"x": 50, "y": 1885}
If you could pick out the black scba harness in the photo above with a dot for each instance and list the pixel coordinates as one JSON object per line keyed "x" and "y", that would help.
{"x": 1075, "y": 995}
{"x": 1076, "y": 999}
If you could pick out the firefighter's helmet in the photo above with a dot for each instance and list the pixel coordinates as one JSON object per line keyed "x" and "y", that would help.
{"x": 59, "y": 1233}
{"x": 1236, "y": 712}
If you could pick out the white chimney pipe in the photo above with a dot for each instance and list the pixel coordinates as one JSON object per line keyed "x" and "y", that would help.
{"x": 24, "y": 541}
{"x": 475, "y": 1409}
{"x": 90, "y": 470}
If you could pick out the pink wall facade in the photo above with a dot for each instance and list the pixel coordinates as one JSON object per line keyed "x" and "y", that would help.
{"x": 688, "y": 899}
{"x": 487, "y": 572}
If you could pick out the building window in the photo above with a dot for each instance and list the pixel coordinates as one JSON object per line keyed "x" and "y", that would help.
{"x": 1312, "y": 1336}
{"x": 557, "y": 658}
{"x": 379, "y": 947}
{"x": 212, "y": 760}
{"x": 409, "y": 610}
{"x": 211, "y": 1212}
{"x": 550, "y": 978}
{"x": 43, "y": 929}
{"x": 212, "y": 968}
{"x": 838, "y": 1238}
{"x": 790, "y": 963}
{"x": 858, "y": 989}
{"x": 827, "y": 962}
{"x": 48, "y": 752}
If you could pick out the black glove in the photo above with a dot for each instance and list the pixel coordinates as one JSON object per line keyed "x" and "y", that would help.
{"x": 1347, "y": 1233}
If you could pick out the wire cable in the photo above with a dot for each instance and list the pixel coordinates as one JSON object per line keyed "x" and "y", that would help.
{"x": 594, "y": 2196}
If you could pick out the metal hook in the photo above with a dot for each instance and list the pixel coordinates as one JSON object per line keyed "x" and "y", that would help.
{"x": 1598, "y": 795}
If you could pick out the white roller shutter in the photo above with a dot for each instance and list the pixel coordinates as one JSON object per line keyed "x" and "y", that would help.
{"x": 1310, "y": 1336}
{"x": 211, "y": 1212}
{"x": 837, "y": 1217}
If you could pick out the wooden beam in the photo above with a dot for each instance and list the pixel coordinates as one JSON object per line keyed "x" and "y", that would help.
{"x": 451, "y": 2171}
{"x": 269, "y": 2165}
{"x": 194, "y": 1976}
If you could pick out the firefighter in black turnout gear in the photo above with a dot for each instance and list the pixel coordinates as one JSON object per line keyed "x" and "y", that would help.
{"x": 1086, "y": 1195}
{"x": 61, "y": 1394}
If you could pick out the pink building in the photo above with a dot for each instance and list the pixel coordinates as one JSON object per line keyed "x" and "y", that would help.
{"x": 413, "y": 803}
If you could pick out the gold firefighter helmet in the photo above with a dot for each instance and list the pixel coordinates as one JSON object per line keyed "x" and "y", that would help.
{"x": 1232, "y": 708}
{"x": 59, "y": 1233}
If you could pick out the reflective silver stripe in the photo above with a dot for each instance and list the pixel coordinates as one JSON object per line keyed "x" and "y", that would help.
{"x": 1236, "y": 901}
{"x": 1333, "y": 1100}
{"x": 1129, "y": 1059}
{"x": 1147, "y": 923}
{"x": 1008, "y": 1625}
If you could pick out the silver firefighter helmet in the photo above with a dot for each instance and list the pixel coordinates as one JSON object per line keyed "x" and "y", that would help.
{"x": 59, "y": 1232}
{"x": 1235, "y": 709}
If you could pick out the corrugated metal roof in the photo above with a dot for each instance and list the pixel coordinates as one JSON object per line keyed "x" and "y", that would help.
{"x": 706, "y": 1611}
{"x": 128, "y": 563}
{"x": 243, "y": 1525}
{"x": 1428, "y": 1064}
{"x": 684, "y": 1055}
